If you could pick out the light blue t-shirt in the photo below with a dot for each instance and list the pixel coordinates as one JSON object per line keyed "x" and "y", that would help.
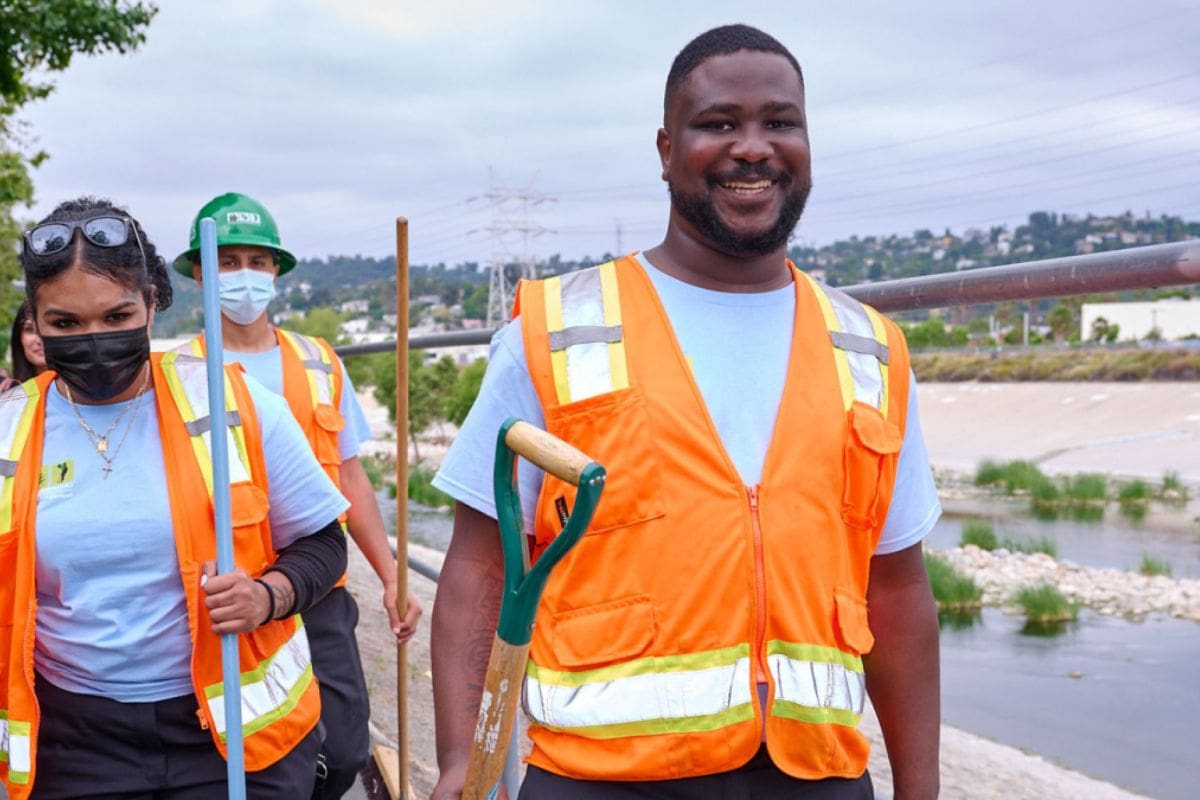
{"x": 112, "y": 616}
{"x": 727, "y": 337}
{"x": 267, "y": 369}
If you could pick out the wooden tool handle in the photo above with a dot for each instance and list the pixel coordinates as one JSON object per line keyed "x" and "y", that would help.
{"x": 547, "y": 451}
{"x": 497, "y": 712}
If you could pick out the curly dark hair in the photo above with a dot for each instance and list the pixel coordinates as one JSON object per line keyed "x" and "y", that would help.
{"x": 721, "y": 42}
{"x": 122, "y": 264}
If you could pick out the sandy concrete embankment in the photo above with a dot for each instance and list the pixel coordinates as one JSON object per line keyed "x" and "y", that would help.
{"x": 1135, "y": 429}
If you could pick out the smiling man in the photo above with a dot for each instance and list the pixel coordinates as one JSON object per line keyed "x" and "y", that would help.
{"x": 754, "y": 570}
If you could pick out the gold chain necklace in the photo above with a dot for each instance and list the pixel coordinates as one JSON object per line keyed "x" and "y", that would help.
{"x": 100, "y": 442}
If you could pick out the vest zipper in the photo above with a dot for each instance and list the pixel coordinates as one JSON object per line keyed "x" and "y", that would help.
{"x": 760, "y": 590}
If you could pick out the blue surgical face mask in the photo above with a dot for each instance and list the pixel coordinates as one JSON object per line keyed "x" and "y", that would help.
{"x": 245, "y": 294}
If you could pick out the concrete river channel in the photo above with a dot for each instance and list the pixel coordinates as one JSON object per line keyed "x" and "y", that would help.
{"x": 1115, "y": 699}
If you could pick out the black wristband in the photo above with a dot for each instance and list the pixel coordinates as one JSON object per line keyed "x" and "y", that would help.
{"x": 270, "y": 597}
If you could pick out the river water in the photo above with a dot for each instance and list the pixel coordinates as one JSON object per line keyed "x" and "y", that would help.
{"x": 1114, "y": 699}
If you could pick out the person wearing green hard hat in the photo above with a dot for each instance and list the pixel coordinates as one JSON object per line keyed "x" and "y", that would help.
{"x": 310, "y": 376}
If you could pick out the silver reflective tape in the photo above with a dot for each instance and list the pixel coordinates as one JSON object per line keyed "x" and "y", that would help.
{"x": 860, "y": 344}
{"x": 584, "y": 334}
{"x": 817, "y": 684}
{"x": 319, "y": 366}
{"x": 12, "y": 408}
{"x": 864, "y": 368}
{"x": 7, "y": 468}
{"x": 639, "y": 698}
{"x": 588, "y": 370}
{"x": 309, "y": 347}
{"x": 203, "y": 425}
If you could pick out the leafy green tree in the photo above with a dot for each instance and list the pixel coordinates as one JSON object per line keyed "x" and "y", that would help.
{"x": 39, "y": 38}
{"x": 465, "y": 391}
{"x": 323, "y": 322}
{"x": 429, "y": 387}
{"x": 1061, "y": 320}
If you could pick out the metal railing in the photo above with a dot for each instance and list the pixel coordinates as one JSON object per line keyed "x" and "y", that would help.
{"x": 1152, "y": 267}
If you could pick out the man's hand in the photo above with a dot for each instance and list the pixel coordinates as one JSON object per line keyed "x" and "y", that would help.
{"x": 235, "y": 602}
{"x": 450, "y": 786}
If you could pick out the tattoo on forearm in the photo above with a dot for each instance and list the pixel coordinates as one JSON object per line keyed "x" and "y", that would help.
{"x": 478, "y": 646}
{"x": 285, "y": 599}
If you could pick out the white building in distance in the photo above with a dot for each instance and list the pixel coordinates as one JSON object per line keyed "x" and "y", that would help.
{"x": 1175, "y": 318}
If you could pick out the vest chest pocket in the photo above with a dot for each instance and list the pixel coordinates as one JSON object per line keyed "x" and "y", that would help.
{"x": 331, "y": 422}
{"x": 853, "y": 627}
{"x": 614, "y": 429}
{"x": 871, "y": 440}
{"x": 610, "y": 632}
{"x": 249, "y": 508}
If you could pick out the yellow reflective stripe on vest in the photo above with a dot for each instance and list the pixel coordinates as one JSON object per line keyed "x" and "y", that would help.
{"x": 16, "y": 420}
{"x": 587, "y": 345}
{"x": 15, "y": 747}
{"x": 317, "y": 366}
{"x": 860, "y": 347}
{"x": 271, "y": 690}
{"x": 187, "y": 379}
{"x": 816, "y": 684}
{"x": 669, "y": 694}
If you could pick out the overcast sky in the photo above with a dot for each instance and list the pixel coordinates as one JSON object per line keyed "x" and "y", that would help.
{"x": 342, "y": 115}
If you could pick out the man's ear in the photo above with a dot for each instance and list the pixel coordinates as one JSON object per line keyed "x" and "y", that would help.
{"x": 663, "y": 143}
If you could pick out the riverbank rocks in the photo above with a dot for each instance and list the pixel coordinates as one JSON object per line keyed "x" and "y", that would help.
{"x": 1001, "y": 573}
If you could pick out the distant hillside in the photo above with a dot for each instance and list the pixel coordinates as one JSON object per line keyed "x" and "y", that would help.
{"x": 461, "y": 290}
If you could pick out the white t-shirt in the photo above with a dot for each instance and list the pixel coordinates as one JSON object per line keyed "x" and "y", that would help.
{"x": 112, "y": 615}
{"x": 727, "y": 337}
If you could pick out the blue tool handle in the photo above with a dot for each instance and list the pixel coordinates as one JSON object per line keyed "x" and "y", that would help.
{"x": 222, "y": 515}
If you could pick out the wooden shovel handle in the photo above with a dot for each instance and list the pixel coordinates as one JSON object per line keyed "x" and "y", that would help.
{"x": 497, "y": 712}
{"x": 547, "y": 451}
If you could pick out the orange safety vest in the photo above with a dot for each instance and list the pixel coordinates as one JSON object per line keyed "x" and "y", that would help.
{"x": 690, "y": 588}
{"x": 279, "y": 697}
{"x": 312, "y": 386}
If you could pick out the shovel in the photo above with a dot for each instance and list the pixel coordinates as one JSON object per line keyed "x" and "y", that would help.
{"x": 523, "y": 586}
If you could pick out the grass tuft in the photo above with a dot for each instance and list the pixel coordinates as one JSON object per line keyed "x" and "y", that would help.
{"x": 979, "y": 533}
{"x": 1136, "y": 492}
{"x": 1042, "y": 603}
{"x": 1042, "y": 544}
{"x": 1153, "y": 566}
{"x": 1088, "y": 487}
{"x": 952, "y": 590}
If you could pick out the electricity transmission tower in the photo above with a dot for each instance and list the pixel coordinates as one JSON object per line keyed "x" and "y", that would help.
{"x": 511, "y": 218}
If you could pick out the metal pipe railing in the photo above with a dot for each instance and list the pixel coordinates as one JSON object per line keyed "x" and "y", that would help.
{"x": 1175, "y": 264}
{"x": 1151, "y": 267}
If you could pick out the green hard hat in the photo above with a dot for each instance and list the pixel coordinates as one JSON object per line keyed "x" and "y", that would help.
{"x": 240, "y": 220}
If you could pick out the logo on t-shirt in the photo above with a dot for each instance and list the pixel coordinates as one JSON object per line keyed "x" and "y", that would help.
{"x": 60, "y": 474}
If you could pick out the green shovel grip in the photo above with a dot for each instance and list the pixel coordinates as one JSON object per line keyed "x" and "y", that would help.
{"x": 523, "y": 584}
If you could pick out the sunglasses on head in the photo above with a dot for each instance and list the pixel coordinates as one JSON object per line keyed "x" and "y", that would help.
{"x": 103, "y": 231}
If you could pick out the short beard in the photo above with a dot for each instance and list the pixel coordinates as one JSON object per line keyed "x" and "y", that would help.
{"x": 698, "y": 209}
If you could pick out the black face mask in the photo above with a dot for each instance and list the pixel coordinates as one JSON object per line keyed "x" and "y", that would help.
{"x": 98, "y": 366}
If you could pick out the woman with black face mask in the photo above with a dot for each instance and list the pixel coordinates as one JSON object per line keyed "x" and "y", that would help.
{"x": 111, "y": 610}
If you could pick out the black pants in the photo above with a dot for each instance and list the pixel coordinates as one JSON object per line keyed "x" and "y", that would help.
{"x": 93, "y": 748}
{"x": 345, "y": 709}
{"x": 759, "y": 779}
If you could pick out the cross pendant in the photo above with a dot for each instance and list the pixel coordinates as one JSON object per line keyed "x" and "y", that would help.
{"x": 102, "y": 445}
{"x": 107, "y": 469}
